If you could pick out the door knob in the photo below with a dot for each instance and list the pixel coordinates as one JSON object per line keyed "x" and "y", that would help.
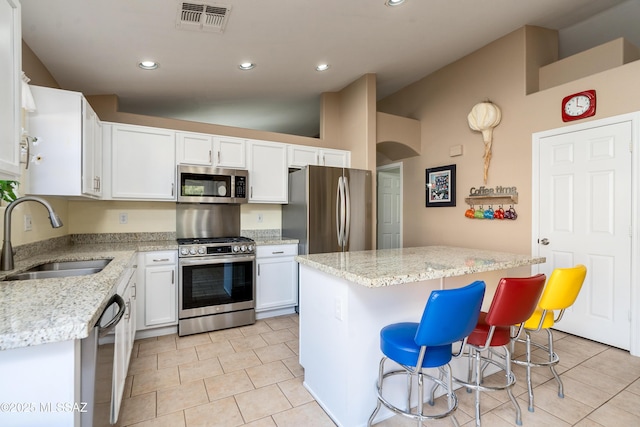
{"x": 544, "y": 241}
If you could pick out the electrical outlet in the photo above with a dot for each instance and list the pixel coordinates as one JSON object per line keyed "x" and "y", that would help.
{"x": 260, "y": 217}
{"x": 27, "y": 223}
{"x": 124, "y": 217}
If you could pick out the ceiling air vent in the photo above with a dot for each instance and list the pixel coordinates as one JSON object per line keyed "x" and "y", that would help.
{"x": 202, "y": 17}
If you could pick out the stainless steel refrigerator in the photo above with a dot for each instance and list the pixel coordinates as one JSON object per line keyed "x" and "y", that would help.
{"x": 329, "y": 209}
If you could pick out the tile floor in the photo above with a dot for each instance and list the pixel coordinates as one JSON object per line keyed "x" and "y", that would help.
{"x": 250, "y": 376}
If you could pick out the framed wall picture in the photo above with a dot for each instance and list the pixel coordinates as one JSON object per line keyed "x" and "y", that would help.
{"x": 441, "y": 186}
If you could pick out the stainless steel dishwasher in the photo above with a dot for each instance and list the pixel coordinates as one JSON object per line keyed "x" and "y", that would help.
{"x": 105, "y": 354}
{"x": 97, "y": 365}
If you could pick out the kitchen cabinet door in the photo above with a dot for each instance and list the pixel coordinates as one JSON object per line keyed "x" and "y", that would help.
{"x": 143, "y": 163}
{"x": 268, "y": 172}
{"x": 70, "y": 148}
{"x": 276, "y": 280}
{"x": 229, "y": 152}
{"x": 158, "y": 292}
{"x": 299, "y": 156}
{"x": 10, "y": 84}
{"x": 336, "y": 158}
{"x": 194, "y": 148}
{"x": 124, "y": 337}
{"x": 91, "y": 151}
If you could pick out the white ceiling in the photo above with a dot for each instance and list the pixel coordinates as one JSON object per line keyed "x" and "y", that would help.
{"x": 93, "y": 46}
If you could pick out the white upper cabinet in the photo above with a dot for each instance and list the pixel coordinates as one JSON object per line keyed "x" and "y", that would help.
{"x": 211, "y": 150}
{"x": 300, "y": 156}
{"x": 68, "y": 152}
{"x": 229, "y": 152}
{"x": 194, "y": 148}
{"x": 10, "y": 84}
{"x": 337, "y": 158}
{"x": 268, "y": 172}
{"x": 143, "y": 163}
{"x": 91, "y": 151}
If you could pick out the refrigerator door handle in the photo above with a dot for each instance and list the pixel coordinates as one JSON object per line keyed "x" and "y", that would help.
{"x": 339, "y": 223}
{"x": 347, "y": 222}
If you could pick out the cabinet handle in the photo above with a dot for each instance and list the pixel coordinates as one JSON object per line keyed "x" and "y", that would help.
{"x": 252, "y": 191}
{"x": 161, "y": 260}
{"x": 258, "y": 269}
{"x": 173, "y": 276}
{"x": 134, "y": 290}
{"x": 324, "y": 162}
{"x": 278, "y": 252}
{"x": 127, "y": 310}
{"x": 218, "y": 156}
{"x": 172, "y": 188}
{"x": 210, "y": 159}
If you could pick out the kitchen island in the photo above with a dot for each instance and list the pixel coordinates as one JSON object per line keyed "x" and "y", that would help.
{"x": 346, "y": 298}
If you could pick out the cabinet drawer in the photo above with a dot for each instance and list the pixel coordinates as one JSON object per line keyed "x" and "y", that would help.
{"x": 160, "y": 258}
{"x": 276, "y": 250}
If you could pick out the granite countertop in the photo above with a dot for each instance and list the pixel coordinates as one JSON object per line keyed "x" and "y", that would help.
{"x": 34, "y": 312}
{"x": 387, "y": 267}
{"x": 275, "y": 240}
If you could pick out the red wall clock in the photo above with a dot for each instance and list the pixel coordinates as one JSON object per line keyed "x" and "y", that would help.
{"x": 579, "y": 105}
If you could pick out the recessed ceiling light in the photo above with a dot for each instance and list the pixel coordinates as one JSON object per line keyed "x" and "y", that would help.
{"x": 148, "y": 65}
{"x": 322, "y": 67}
{"x": 247, "y": 66}
{"x": 394, "y": 2}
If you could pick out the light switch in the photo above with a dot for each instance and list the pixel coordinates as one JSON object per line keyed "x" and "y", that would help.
{"x": 124, "y": 217}
{"x": 27, "y": 223}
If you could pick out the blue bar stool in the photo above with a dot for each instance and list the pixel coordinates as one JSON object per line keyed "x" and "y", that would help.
{"x": 449, "y": 316}
{"x": 514, "y": 301}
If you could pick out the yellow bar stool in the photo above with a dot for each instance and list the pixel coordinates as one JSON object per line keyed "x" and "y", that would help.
{"x": 560, "y": 293}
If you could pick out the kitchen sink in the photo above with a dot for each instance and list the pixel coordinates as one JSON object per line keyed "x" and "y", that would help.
{"x": 70, "y": 265}
{"x": 57, "y": 269}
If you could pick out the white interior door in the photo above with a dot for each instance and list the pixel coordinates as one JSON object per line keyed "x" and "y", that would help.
{"x": 584, "y": 216}
{"x": 389, "y": 208}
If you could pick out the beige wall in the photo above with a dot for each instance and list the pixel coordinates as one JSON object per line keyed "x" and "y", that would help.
{"x": 442, "y": 100}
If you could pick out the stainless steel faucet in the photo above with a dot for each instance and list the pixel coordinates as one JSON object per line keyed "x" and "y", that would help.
{"x": 6, "y": 262}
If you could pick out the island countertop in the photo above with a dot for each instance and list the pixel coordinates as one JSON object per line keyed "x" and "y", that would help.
{"x": 388, "y": 267}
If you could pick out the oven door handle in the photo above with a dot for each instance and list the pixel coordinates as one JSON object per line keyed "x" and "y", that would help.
{"x": 215, "y": 260}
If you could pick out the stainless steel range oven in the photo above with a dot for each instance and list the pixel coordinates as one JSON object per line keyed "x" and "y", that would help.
{"x": 217, "y": 283}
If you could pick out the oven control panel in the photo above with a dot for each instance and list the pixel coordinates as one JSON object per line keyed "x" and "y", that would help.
{"x": 203, "y": 250}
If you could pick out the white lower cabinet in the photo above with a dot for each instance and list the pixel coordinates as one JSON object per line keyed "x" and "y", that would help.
{"x": 157, "y": 290}
{"x": 276, "y": 280}
{"x": 124, "y": 336}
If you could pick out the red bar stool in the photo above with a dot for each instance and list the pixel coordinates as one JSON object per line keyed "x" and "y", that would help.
{"x": 514, "y": 301}
{"x": 449, "y": 316}
{"x": 560, "y": 293}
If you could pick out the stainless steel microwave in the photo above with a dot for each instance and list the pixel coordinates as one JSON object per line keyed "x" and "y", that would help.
{"x": 202, "y": 184}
